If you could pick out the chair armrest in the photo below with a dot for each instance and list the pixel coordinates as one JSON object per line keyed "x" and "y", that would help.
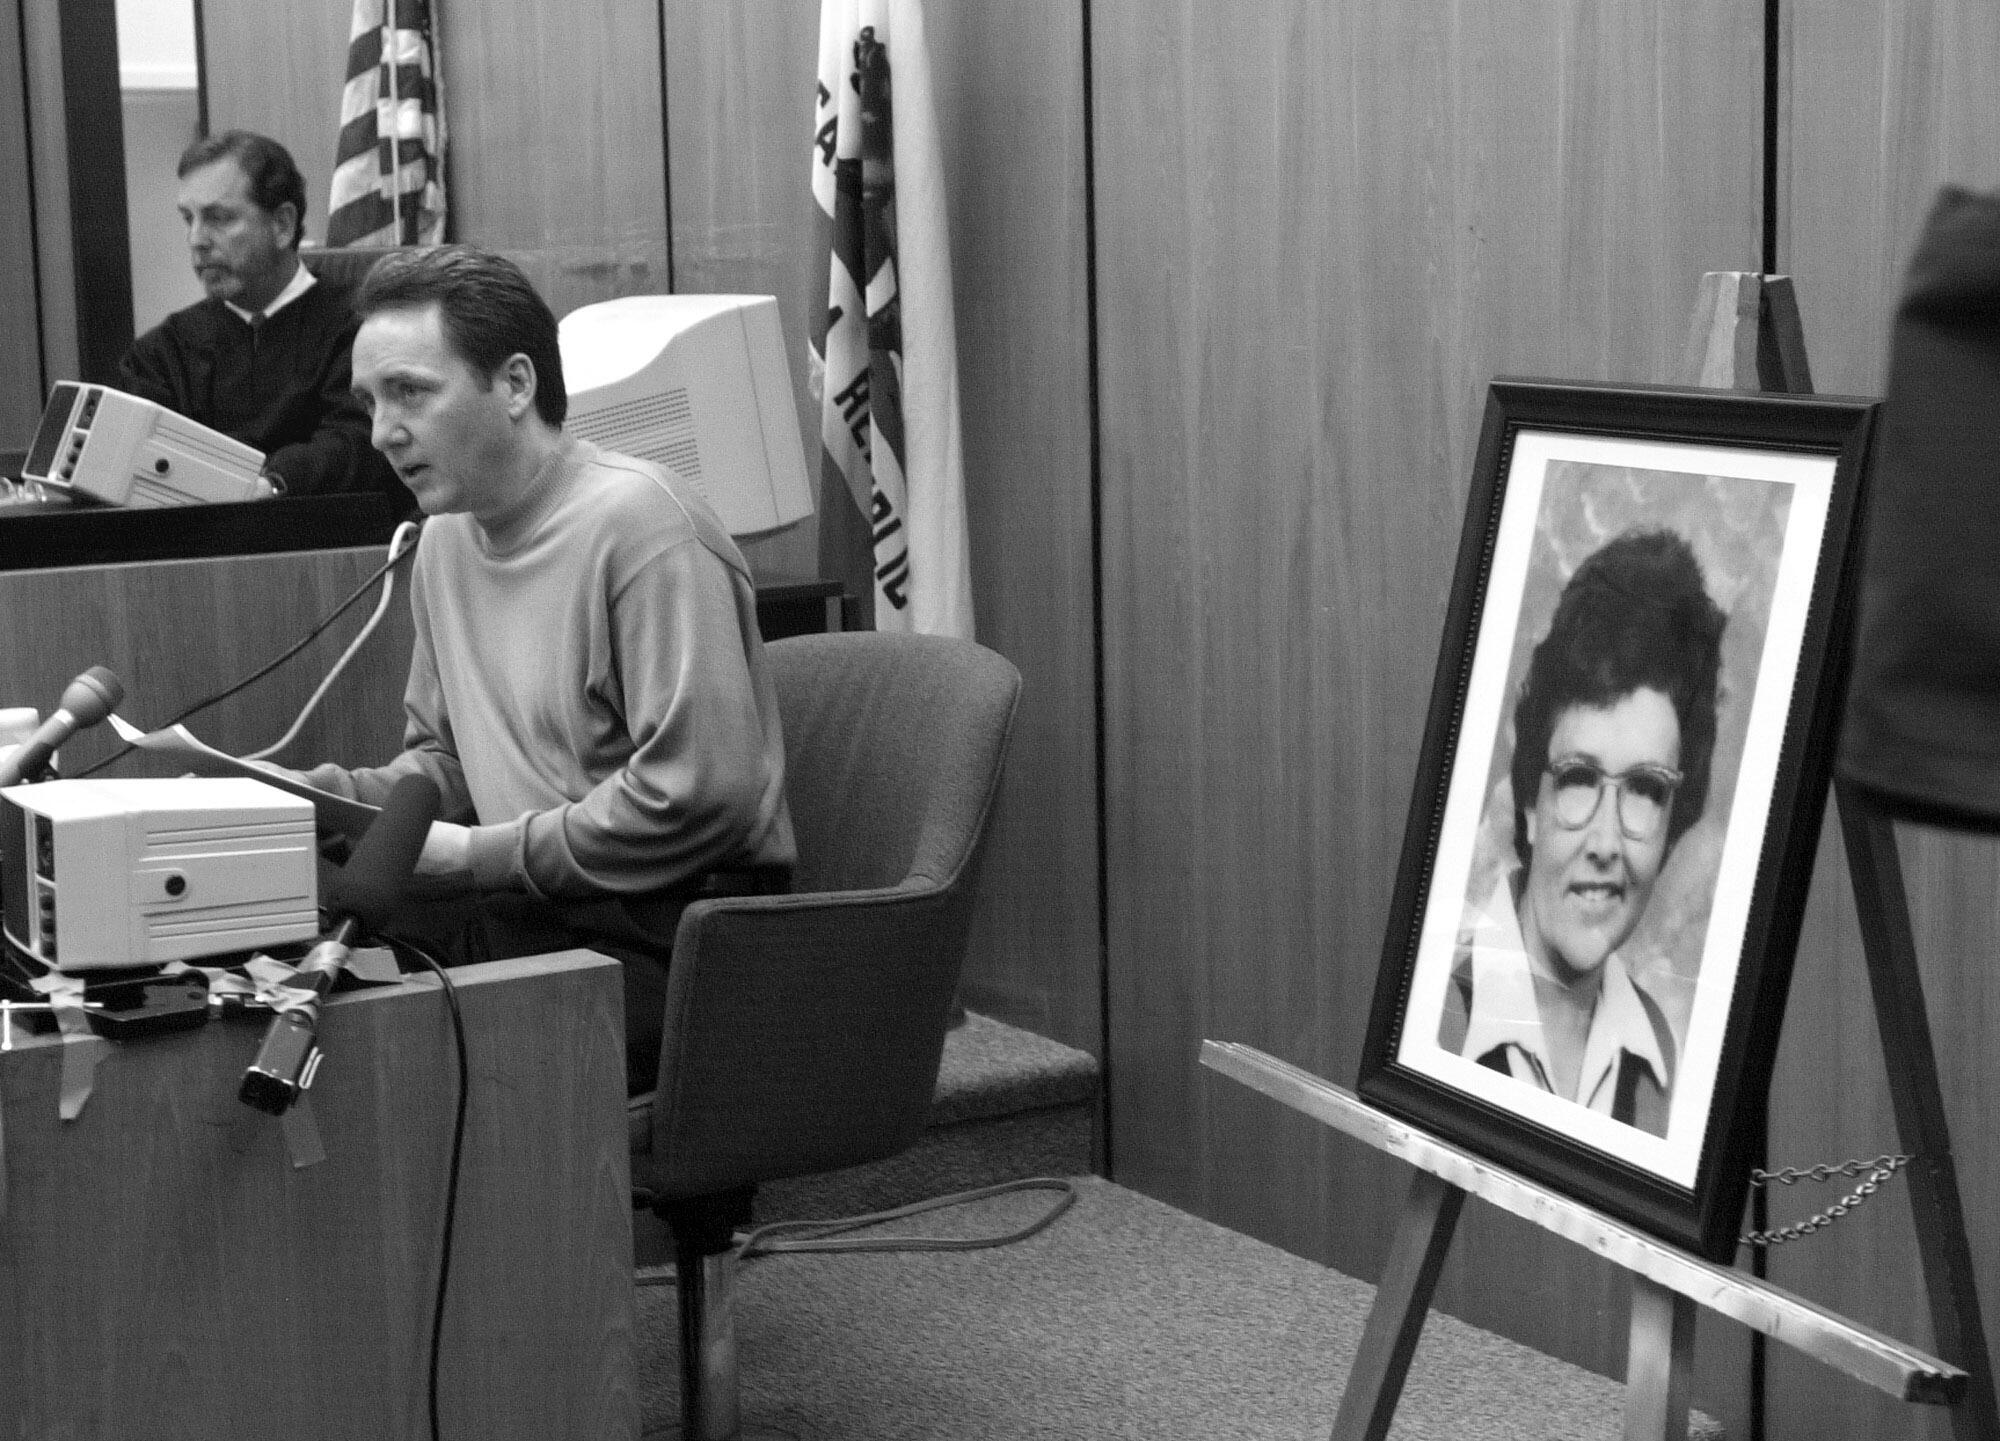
{"x": 802, "y": 1032}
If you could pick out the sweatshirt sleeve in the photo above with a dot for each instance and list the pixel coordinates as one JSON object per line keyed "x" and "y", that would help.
{"x": 704, "y": 784}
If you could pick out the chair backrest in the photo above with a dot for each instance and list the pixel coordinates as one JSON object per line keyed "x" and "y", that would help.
{"x": 892, "y": 747}
{"x": 803, "y": 1030}
{"x": 346, "y": 264}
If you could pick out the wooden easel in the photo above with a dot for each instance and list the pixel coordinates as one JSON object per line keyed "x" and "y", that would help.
{"x": 1745, "y": 334}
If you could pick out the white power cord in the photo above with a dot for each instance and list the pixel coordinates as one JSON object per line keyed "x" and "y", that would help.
{"x": 400, "y": 541}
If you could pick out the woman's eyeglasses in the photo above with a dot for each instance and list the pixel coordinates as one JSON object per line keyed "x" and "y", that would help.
{"x": 1645, "y": 794}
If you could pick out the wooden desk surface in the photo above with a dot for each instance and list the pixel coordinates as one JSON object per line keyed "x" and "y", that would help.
{"x": 166, "y": 1272}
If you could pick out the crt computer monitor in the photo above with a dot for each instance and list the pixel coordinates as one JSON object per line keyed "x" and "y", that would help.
{"x": 699, "y": 384}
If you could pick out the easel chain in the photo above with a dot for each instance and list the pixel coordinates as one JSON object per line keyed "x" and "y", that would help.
{"x": 1879, "y": 1170}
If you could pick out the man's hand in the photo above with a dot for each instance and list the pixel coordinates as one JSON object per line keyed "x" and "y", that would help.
{"x": 447, "y": 850}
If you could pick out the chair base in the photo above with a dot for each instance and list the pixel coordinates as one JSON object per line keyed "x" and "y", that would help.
{"x": 704, "y": 1231}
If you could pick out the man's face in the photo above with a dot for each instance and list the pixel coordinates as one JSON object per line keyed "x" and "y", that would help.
{"x": 1588, "y": 883}
{"x": 240, "y": 251}
{"x": 449, "y": 432}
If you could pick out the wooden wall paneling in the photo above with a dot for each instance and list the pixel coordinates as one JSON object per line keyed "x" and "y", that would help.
{"x": 1009, "y": 96}
{"x": 178, "y": 631}
{"x": 554, "y": 144}
{"x": 96, "y": 186}
{"x": 48, "y": 157}
{"x": 739, "y": 80}
{"x": 1886, "y": 102}
{"x": 1009, "y": 84}
{"x": 1321, "y": 231}
{"x": 558, "y": 157}
{"x": 77, "y": 219}
{"x": 279, "y": 70}
{"x": 21, "y": 384}
{"x": 62, "y": 223}
{"x": 159, "y": 125}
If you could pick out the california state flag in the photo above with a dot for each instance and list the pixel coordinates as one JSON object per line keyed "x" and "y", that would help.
{"x": 885, "y": 356}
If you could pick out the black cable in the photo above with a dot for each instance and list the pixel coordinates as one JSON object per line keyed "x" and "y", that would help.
{"x": 451, "y": 1184}
{"x": 256, "y": 675}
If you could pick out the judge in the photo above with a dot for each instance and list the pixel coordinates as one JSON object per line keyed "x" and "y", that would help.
{"x": 264, "y": 358}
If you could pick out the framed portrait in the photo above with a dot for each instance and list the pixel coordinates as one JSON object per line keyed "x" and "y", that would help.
{"x": 1619, "y": 795}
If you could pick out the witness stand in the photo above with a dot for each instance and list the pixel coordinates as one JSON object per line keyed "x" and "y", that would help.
{"x": 1745, "y": 334}
{"x": 171, "y": 1267}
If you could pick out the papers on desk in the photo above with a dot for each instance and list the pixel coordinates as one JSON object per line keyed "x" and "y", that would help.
{"x": 178, "y": 743}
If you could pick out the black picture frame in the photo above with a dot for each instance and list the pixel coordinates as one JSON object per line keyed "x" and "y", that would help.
{"x": 1531, "y": 996}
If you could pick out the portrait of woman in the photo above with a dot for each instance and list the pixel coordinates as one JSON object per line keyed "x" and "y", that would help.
{"x": 1607, "y": 839}
{"x": 1614, "y": 735}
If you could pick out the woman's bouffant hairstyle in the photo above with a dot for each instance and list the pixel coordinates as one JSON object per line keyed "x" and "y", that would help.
{"x": 1636, "y": 614}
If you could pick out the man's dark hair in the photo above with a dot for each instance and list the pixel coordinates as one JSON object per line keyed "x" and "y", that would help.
{"x": 490, "y": 311}
{"x": 1636, "y": 614}
{"x": 267, "y": 165}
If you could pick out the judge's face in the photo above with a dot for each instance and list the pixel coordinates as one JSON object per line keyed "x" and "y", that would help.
{"x": 241, "y": 252}
{"x": 1597, "y": 834}
{"x": 449, "y": 432}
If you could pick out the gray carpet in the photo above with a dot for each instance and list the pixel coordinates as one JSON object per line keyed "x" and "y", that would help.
{"x": 1125, "y": 1319}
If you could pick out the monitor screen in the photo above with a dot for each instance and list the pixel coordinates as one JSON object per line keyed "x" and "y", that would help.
{"x": 49, "y": 434}
{"x": 16, "y": 887}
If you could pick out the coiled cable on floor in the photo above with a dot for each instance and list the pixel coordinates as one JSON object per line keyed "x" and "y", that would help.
{"x": 829, "y": 1236}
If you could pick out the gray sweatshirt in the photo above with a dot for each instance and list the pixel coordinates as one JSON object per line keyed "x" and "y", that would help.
{"x": 588, "y": 688}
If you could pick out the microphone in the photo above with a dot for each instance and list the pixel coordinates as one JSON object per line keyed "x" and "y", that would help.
{"x": 361, "y": 895}
{"x": 86, "y": 701}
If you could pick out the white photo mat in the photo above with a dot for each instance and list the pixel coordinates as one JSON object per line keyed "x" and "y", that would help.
{"x": 1797, "y": 488}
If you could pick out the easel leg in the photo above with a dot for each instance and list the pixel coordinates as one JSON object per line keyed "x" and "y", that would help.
{"x": 1402, "y": 1301}
{"x": 1891, "y": 948}
{"x": 1658, "y": 1362}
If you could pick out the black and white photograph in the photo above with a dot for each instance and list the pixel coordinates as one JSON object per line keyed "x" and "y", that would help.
{"x": 1638, "y": 657}
{"x": 1279, "y": 720}
{"x": 1576, "y": 963}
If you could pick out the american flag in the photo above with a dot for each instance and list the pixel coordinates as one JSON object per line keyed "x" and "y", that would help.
{"x": 388, "y": 174}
